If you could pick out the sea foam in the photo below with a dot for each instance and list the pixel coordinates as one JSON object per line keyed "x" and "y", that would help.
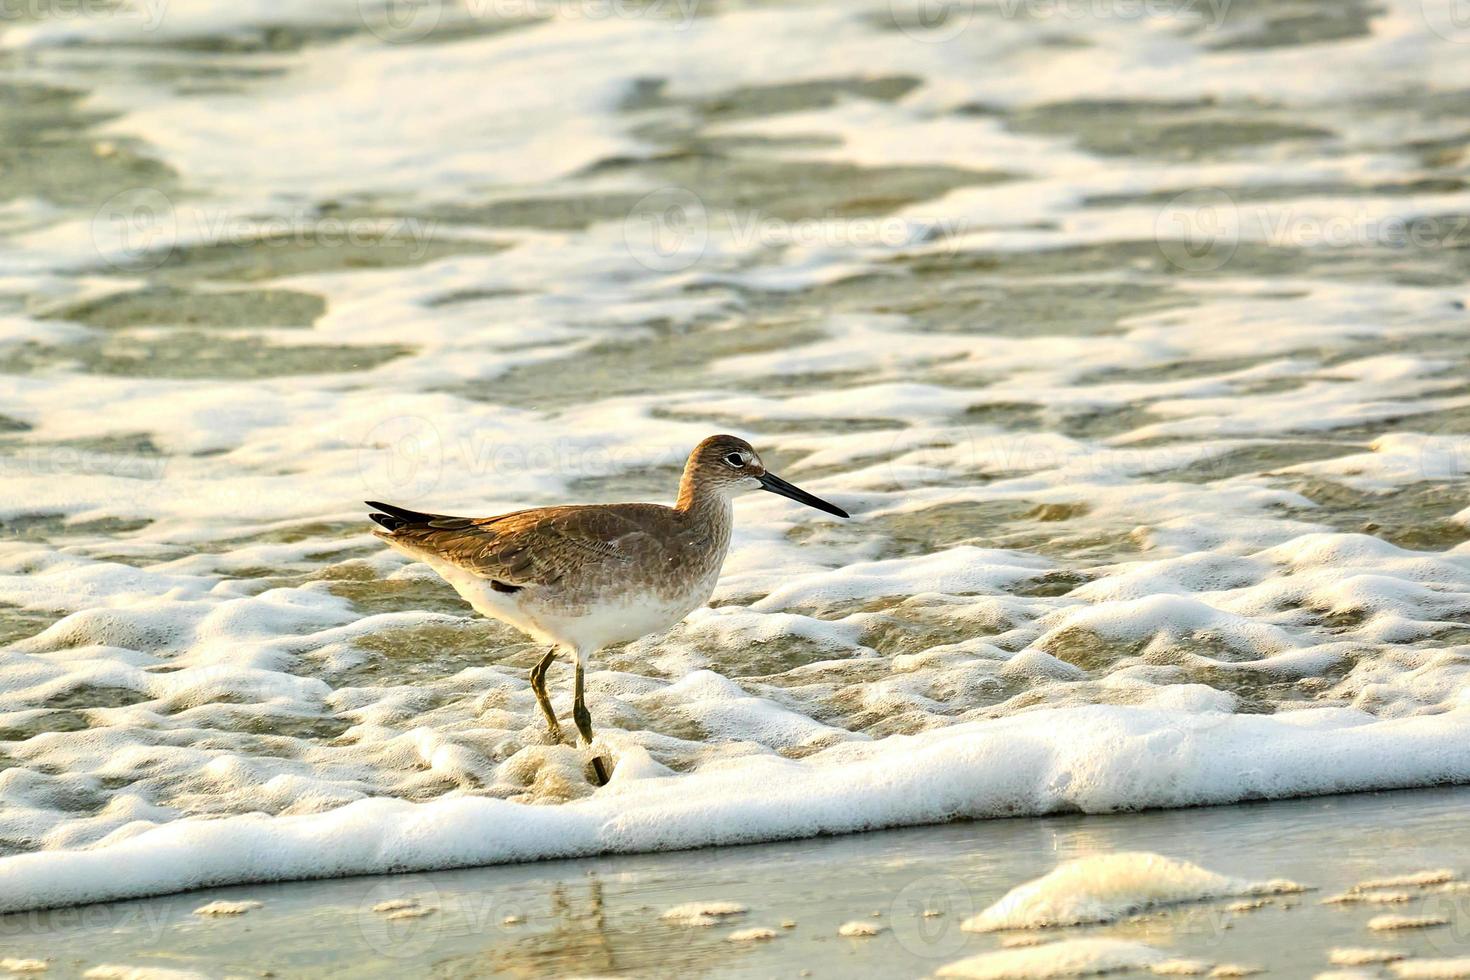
{"x": 1127, "y": 532}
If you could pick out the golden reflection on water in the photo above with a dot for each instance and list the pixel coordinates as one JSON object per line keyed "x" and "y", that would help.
{"x": 584, "y": 940}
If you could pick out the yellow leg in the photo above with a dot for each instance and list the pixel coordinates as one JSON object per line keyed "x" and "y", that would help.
{"x": 538, "y": 687}
{"x": 583, "y": 718}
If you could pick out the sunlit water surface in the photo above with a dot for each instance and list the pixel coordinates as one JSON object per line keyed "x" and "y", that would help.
{"x": 1136, "y": 346}
{"x": 603, "y": 917}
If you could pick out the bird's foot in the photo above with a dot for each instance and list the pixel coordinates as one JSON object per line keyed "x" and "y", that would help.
{"x": 583, "y": 718}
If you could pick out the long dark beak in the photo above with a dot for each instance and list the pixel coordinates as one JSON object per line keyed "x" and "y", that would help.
{"x": 775, "y": 484}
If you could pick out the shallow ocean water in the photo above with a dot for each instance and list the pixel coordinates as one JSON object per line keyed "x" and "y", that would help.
{"x": 604, "y": 916}
{"x": 1135, "y": 345}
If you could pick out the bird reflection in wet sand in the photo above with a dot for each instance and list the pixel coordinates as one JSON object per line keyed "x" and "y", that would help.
{"x": 581, "y": 941}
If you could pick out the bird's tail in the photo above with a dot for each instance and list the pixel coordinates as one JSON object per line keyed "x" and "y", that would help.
{"x": 391, "y": 518}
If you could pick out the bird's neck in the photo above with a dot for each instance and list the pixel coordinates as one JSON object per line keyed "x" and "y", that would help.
{"x": 702, "y": 502}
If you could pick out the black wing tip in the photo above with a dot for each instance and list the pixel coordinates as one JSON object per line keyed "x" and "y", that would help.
{"x": 392, "y": 520}
{"x": 393, "y": 517}
{"x": 387, "y": 522}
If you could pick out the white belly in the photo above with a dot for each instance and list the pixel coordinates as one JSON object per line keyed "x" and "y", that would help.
{"x": 586, "y": 627}
{"x": 618, "y": 622}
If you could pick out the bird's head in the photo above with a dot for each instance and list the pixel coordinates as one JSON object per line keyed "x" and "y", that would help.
{"x": 729, "y": 465}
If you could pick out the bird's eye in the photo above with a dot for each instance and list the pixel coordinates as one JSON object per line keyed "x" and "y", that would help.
{"x": 735, "y": 460}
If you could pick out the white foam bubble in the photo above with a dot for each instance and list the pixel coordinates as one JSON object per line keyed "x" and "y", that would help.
{"x": 1069, "y": 958}
{"x": 1397, "y": 923}
{"x": 1104, "y": 887}
{"x": 1432, "y": 969}
{"x": 703, "y": 913}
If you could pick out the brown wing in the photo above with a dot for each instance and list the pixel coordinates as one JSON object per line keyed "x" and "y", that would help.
{"x": 528, "y": 547}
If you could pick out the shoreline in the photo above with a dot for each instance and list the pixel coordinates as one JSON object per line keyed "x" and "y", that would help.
{"x": 1086, "y": 759}
{"x": 603, "y": 914}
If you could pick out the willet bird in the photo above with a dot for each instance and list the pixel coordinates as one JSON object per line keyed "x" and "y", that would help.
{"x": 583, "y": 577}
